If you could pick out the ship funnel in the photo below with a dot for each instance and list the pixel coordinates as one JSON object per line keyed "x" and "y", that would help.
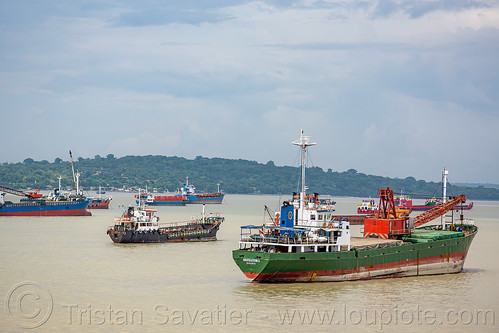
{"x": 287, "y": 218}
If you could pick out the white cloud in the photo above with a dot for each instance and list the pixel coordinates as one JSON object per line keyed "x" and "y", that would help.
{"x": 241, "y": 82}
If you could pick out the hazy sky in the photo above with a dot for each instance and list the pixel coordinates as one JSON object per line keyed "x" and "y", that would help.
{"x": 391, "y": 88}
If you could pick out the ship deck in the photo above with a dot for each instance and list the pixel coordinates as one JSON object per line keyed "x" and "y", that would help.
{"x": 363, "y": 243}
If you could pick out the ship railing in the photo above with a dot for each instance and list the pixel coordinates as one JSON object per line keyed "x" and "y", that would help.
{"x": 281, "y": 235}
{"x": 208, "y": 219}
{"x": 119, "y": 227}
{"x": 124, "y": 219}
{"x": 175, "y": 224}
{"x": 285, "y": 240}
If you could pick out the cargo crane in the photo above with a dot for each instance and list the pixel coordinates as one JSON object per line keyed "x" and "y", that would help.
{"x": 20, "y": 193}
{"x": 438, "y": 211}
{"x": 386, "y": 224}
{"x": 274, "y": 219}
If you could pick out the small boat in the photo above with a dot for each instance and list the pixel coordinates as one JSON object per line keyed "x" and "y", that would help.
{"x": 370, "y": 207}
{"x": 367, "y": 207}
{"x": 141, "y": 225}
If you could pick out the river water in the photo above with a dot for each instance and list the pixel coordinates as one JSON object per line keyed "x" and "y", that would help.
{"x": 65, "y": 274}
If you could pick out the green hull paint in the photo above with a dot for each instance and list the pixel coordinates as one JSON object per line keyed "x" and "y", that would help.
{"x": 430, "y": 257}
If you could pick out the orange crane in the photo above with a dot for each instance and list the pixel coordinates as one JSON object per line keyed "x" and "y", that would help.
{"x": 438, "y": 210}
{"x": 275, "y": 219}
{"x": 20, "y": 193}
{"x": 386, "y": 224}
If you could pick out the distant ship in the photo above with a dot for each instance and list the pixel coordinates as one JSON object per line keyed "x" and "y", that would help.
{"x": 370, "y": 207}
{"x": 160, "y": 200}
{"x": 34, "y": 204}
{"x": 99, "y": 203}
{"x": 189, "y": 191}
{"x": 429, "y": 204}
{"x": 184, "y": 195}
{"x": 96, "y": 203}
{"x": 367, "y": 207}
{"x": 141, "y": 225}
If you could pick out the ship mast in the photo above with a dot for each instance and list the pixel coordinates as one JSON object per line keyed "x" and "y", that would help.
{"x": 72, "y": 168}
{"x": 303, "y": 142}
{"x": 444, "y": 193}
{"x": 77, "y": 182}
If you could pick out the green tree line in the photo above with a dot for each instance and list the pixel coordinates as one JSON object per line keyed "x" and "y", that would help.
{"x": 234, "y": 176}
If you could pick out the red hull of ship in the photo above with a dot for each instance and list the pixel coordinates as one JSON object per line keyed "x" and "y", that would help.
{"x": 101, "y": 205}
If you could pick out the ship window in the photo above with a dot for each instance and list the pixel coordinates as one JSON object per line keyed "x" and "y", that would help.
{"x": 320, "y": 217}
{"x": 302, "y": 258}
{"x": 312, "y": 217}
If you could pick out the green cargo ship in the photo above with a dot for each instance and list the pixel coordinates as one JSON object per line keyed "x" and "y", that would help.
{"x": 306, "y": 245}
{"x": 425, "y": 251}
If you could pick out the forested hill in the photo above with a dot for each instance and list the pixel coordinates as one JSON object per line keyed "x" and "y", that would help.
{"x": 234, "y": 176}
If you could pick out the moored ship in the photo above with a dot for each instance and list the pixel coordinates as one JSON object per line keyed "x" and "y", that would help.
{"x": 183, "y": 196}
{"x": 367, "y": 207}
{"x": 301, "y": 249}
{"x": 370, "y": 207}
{"x": 37, "y": 205}
{"x": 141, "y": 225}
{"x": 161, "y": 200}
{"x": 189, "y": 191}
{"x": 99, "y": 203}
{"x": 429, "y": 204}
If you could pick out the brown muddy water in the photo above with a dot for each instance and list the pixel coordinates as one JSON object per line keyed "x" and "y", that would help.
{"x": 65, "y": 274}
